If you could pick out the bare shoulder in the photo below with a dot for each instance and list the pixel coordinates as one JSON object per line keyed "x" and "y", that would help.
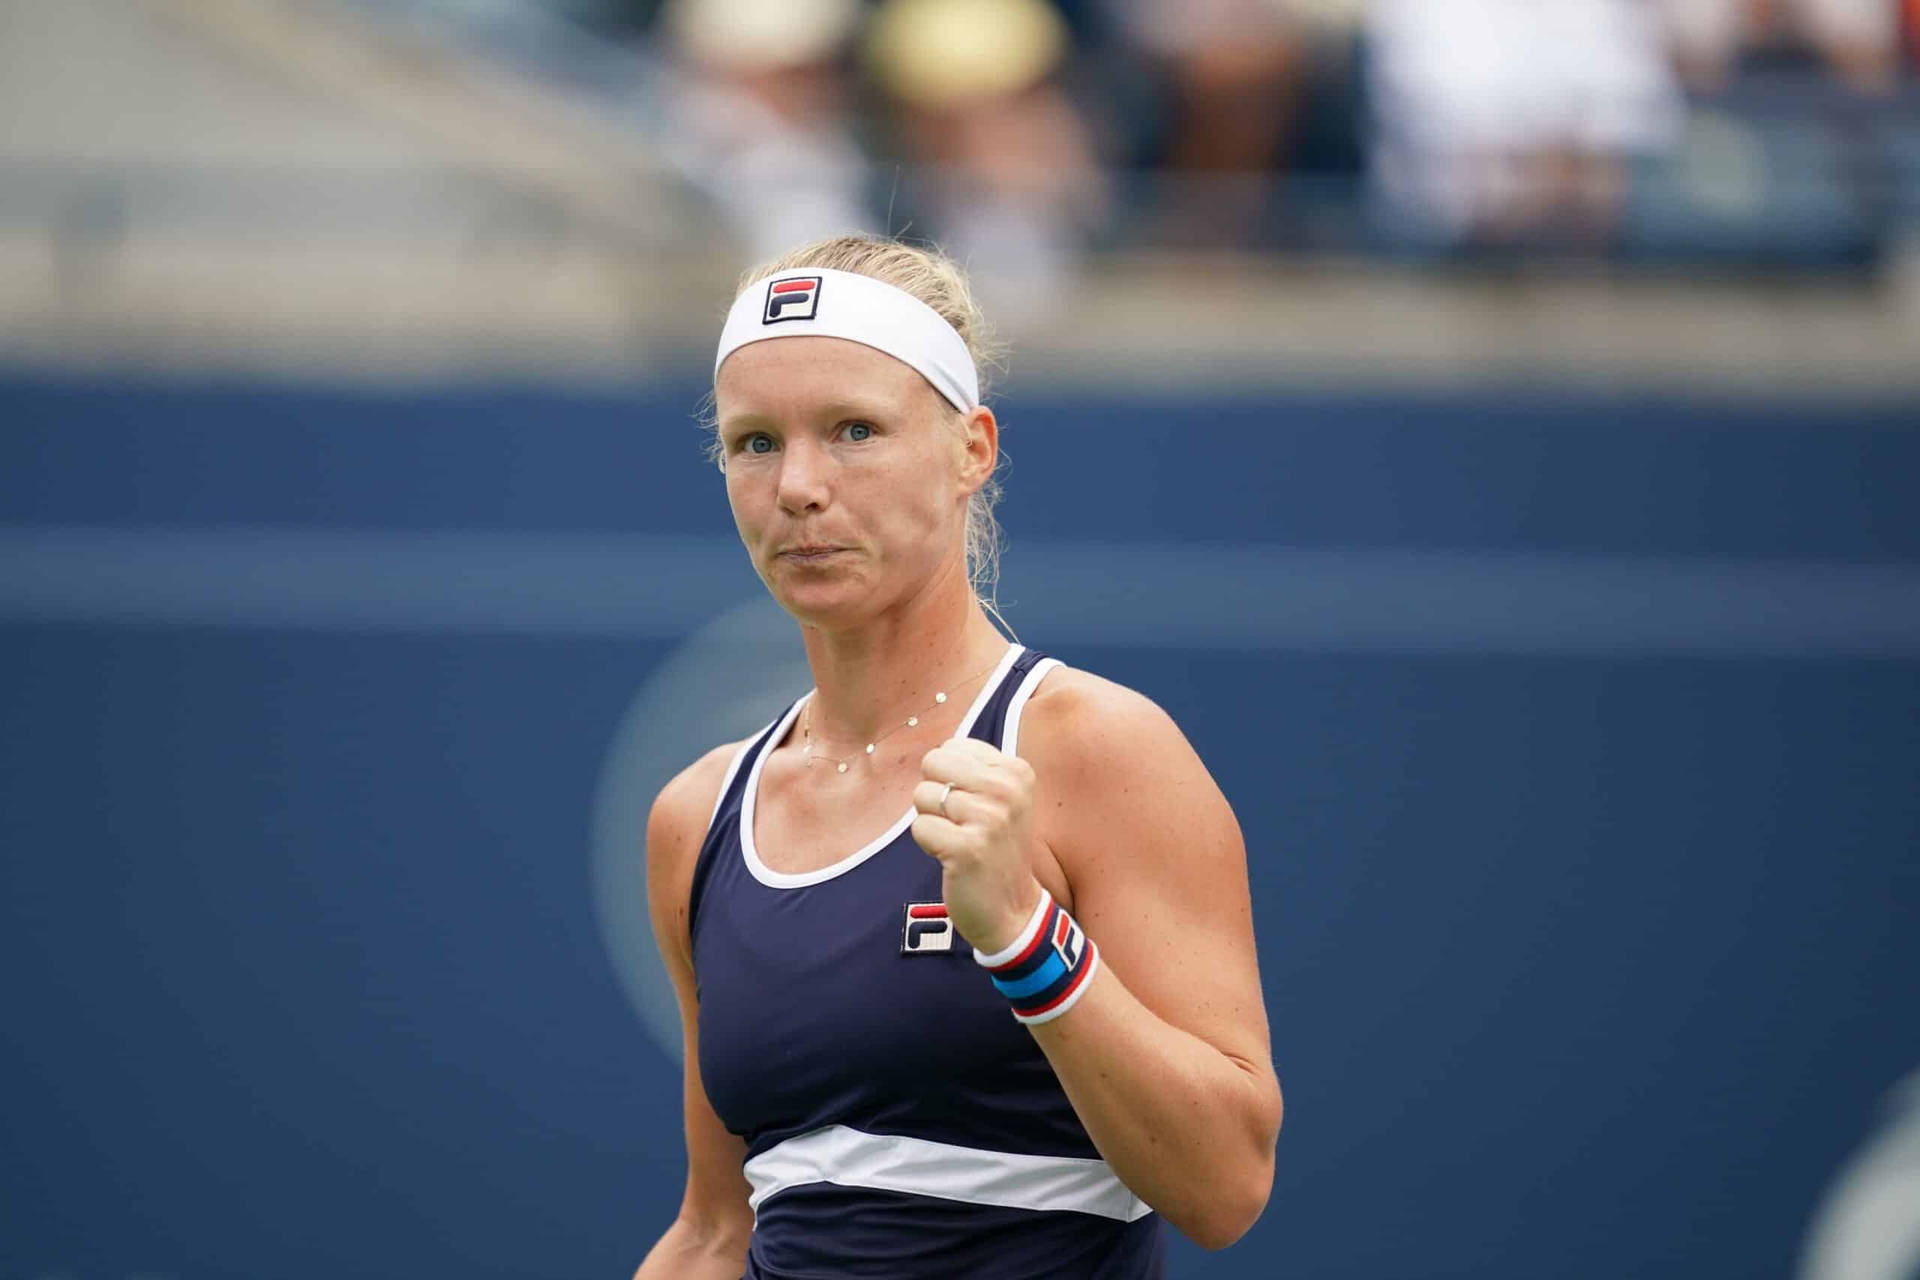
{"x": 685, "y": 804}
{"x": 675, "y": 827}
{"x": 1114, "y": 772}
{"x": 1079, "y": 721}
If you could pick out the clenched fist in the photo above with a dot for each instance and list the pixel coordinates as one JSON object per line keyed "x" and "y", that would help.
{"x": 976, "y": 817}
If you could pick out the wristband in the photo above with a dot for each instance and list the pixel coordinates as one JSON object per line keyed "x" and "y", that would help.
{"x": 1046, "y": 969}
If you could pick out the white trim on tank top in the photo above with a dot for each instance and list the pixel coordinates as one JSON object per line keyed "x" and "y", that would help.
{"x": 733, "y": 771}
{"x": 799, "y": 880}
{"x": 1010, "y": 733}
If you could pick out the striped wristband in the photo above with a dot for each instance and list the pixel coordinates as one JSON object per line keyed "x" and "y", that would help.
{"x": 1047, "y": 968}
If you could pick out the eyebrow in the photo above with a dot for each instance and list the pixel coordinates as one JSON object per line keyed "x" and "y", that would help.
{"x": 736, "y": 421}
{"x": 838, "y": 410}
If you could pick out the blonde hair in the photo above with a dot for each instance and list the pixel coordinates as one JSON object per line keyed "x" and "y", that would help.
{"x": 937, "y": 280}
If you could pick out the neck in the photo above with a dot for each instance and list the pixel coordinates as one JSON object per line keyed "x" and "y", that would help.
{"x": 868, "y": 678}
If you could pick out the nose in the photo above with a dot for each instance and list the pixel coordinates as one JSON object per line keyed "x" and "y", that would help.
{"x": 803, "y": 485}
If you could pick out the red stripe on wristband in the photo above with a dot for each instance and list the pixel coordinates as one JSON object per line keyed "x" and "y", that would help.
{"x": 1037, "y": 923}
{"x": 1065, "y": 997}
{"x": 1040, "y": 935}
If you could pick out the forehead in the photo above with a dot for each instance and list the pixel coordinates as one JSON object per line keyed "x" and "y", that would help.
{"x": 782, "y": 376}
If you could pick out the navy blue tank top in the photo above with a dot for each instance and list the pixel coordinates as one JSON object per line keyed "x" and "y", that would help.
{"x": 899, "y": 1122}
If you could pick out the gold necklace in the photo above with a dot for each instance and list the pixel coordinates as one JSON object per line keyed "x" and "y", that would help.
{"x": 809, "y": 753}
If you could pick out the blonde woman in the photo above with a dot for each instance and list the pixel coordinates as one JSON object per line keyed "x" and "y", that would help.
{"x": 962, "y": 939}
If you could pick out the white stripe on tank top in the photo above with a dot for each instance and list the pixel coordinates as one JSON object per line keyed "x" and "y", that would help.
{"x": 887, "y": 1162}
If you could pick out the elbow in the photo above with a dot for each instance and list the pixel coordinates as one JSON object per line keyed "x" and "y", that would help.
{"x": 1228, "y": 1212}
{"x": 1229, "y": 1208}
{"x": 1232, "y": 1206}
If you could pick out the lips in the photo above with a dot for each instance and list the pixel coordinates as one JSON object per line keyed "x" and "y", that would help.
{"x": 810, "y": 553}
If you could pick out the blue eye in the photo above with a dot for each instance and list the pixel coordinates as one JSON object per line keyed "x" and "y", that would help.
{"x": 858, "y": 431}
{"x": 758, "y": 442}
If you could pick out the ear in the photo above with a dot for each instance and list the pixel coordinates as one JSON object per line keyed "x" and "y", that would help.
{"x": 981, "y": 444}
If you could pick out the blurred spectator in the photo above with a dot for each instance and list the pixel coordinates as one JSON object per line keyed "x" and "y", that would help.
{"x": 1012, "y": 186}
{"x": 1238, "y": 75}
{"x": 760, "y": 122}
{"x": 1506, "y": 121}
{"x": 1858, "y": 39}
{"x": 1234, "y": 66}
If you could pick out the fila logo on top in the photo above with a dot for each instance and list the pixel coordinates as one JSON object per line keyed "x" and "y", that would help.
{"x": 927, "y": 929}
{"x": 795, "y": 298}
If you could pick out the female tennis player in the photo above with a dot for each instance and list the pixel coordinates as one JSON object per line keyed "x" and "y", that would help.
{"x": 962, "y": 939}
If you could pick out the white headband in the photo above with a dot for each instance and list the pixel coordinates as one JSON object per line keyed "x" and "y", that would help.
{"x": 820, "y": 302}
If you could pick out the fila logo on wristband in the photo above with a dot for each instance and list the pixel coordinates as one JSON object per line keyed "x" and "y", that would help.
{"x": 795, "y": 298}
{"x": 1045, "y": 970}
{"x": 1067, "y": 939}
{"x": 927, "y": 929}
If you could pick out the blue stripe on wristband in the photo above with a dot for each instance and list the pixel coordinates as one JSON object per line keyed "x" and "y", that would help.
{"x": 1045, "y": 976}
{"x": 1066, "y": 996}
{"x": 1044, "y": 972}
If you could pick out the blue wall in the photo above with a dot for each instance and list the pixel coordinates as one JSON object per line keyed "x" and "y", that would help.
{"x": 1580, "y": 963}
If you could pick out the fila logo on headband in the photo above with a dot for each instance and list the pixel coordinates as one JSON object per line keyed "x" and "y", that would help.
{"x": 927, "y": 929}
{"x": 795, "y": 298}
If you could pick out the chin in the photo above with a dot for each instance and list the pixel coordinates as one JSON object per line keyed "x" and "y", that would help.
{"x": 815, "y": 609}
{"x": 824, "y": 602}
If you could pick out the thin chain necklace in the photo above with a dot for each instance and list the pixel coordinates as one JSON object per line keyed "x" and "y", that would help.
{"x": 810, "y": 752}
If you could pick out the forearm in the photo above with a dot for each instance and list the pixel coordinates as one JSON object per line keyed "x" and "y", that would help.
{"x": 1189, "y": 1129}
{"x": 690, "y": 1251}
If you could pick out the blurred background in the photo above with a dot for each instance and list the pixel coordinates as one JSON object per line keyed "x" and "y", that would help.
{"x": 1489, "y": 426}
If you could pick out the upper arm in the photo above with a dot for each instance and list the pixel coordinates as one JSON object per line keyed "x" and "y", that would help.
{"x": 716, "y": 1194}
{"x": 1154, "y": 858}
